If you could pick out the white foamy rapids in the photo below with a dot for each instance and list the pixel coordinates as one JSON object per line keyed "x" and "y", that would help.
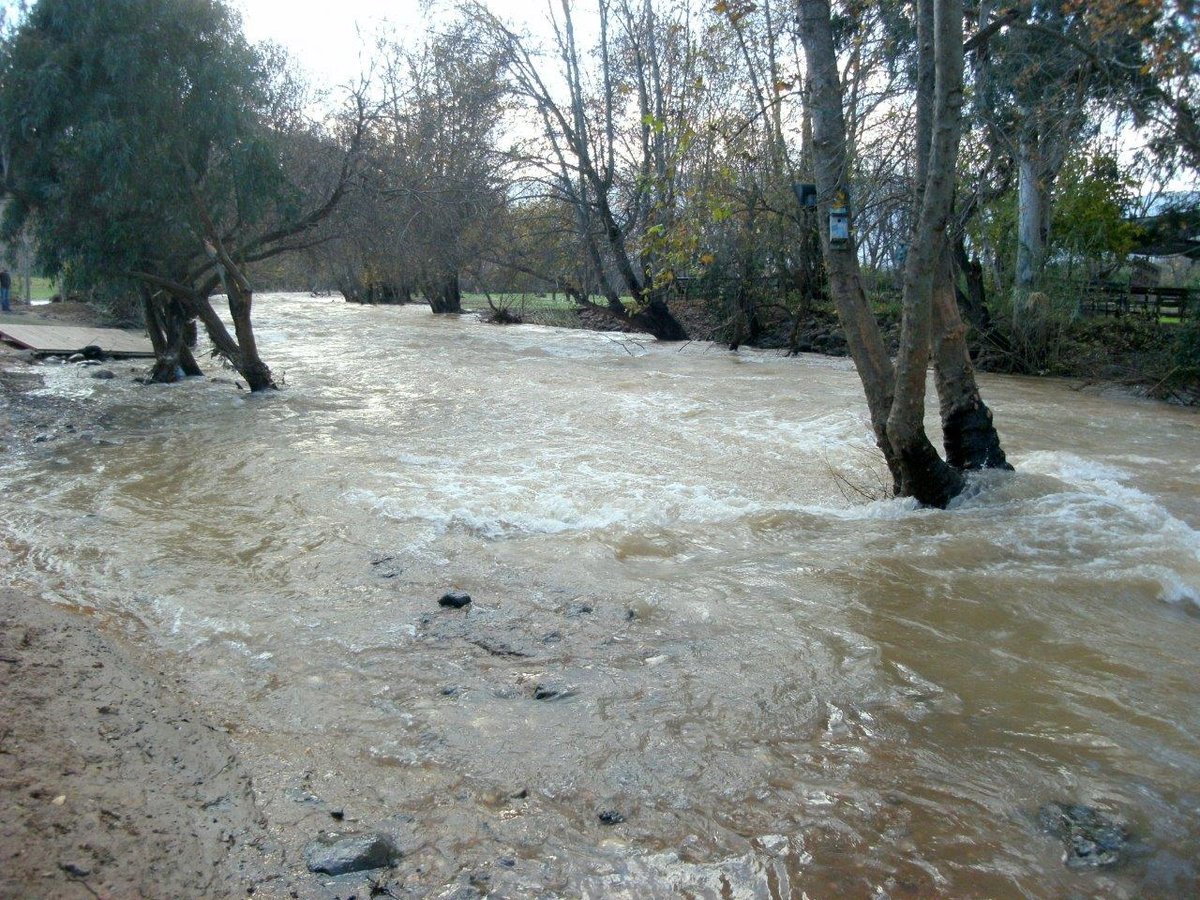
{"x": 1086, "y": 514}
{"x": 500, "y": 508}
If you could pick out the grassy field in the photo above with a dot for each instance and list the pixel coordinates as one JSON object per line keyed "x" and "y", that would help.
{"x": 41, "y": 289}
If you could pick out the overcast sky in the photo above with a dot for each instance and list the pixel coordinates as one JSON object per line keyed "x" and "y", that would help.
{"x": 324, "y": 37}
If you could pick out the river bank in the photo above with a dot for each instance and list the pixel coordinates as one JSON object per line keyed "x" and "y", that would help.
{"x": 114, "y": 783}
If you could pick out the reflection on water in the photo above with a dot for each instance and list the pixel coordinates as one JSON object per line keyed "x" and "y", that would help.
{"x": 780, "y": 690}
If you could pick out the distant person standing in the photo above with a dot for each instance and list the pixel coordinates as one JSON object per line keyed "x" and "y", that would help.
{"x": 5, "y": 287}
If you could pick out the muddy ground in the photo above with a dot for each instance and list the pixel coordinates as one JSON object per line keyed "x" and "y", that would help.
{"x": 113, "y": 783}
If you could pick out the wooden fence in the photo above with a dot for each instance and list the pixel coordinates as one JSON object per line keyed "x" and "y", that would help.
{"x": 1107, "y": 299}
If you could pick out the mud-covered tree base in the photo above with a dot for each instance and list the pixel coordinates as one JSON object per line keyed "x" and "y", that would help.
{"x": 971, "y": 440}
{"x": 925, "y": 476}
{"x": 657, "y": 319}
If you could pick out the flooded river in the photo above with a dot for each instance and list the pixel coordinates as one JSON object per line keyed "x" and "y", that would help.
{"x": 780, "y": 687}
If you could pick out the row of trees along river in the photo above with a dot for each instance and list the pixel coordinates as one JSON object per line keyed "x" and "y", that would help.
{"x": 640, "y": 156}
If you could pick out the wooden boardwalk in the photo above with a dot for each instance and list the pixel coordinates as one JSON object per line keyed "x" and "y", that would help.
{"x": 67, "y": 339}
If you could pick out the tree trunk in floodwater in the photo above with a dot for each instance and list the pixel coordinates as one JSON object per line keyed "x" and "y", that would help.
{"x": 924, "y": 474}
{"x": 445, "y": 294}
{"x": 968, "y": 434}
{"x": 657, "y": 319}
{"x": 863, "y": 337}
{"x": 252, "y": 368}
{"x": 167, "y": 323}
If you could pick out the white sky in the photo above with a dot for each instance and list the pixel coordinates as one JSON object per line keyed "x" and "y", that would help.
{"x": 324, "y": 37}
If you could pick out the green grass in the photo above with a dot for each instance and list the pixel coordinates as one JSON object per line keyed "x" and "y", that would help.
{"x": 40, "y": 288}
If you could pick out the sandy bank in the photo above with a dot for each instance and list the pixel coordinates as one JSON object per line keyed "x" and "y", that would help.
{"x": 113, "y": 783}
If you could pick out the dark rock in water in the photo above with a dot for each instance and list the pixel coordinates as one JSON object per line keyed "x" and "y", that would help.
{"x": 92, "y": 351}
{"x": 104, "y": 374}
{"x": 1092, "y": 840}
{"x": 76, "y": 358}
{"x": 551, "y": 692}
{"x": 455, "y": 599}
{"x": 610, "y": 817}
{"x": 339, "y": 854}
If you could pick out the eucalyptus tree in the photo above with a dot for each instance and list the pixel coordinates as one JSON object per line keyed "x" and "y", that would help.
{"x": 149, "y": 147}
{"x": 1050, "y": 74}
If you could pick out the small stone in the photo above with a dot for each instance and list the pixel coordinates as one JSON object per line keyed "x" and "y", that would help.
{"x": 72, "y": 868}
{"x": 338, "y": 855}
{"x": 104, "y": 374}
{"x": 610, "y": 817}
{"x": 338, "y": 814}
{"x": 551, "y": 692}
{"x": 455, "y": 599}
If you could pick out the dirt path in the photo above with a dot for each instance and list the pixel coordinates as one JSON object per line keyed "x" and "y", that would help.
{"x": 112, "y": 784}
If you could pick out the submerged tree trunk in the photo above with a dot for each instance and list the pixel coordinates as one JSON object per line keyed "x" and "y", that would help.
{"x": 924, "y": 474}
{"x": 445, "y": 294}
{"x": 168, "y": 324}
{"x": 896, "y": 397}
{"x": 657, "y": 319}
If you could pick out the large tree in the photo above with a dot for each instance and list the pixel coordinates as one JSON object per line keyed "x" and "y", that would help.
{"x": 146, "y": 144}
{"x": 896, "y": 391}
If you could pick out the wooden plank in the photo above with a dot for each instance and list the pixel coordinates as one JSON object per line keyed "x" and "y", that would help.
{"x": 62, "y": 339}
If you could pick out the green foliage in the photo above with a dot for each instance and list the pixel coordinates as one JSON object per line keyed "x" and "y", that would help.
{"x": 1092, "y": 197}
{"x": 129, "y": 121}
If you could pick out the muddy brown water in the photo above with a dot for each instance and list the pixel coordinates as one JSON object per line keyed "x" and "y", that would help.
{"x": 782, "y": 688}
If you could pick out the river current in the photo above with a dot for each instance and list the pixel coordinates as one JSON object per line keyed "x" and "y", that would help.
{"x": 689, "y": 612}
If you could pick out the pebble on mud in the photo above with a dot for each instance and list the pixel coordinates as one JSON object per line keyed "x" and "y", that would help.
{"x": 340, "y": 854}
{"x": 543, "y": 691}
{"x": 455, "y": 599}
{"x": 1091, "y": 839}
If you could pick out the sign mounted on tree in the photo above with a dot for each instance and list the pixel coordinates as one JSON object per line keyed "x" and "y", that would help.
{"x": 839, "y": 221}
